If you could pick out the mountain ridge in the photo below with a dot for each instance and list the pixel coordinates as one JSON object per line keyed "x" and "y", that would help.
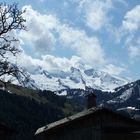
{"x": 75, "y": 78}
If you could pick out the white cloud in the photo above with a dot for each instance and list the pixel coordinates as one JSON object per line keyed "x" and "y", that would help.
{"x": 124, "y": 2}
{"x": 134, "y": 52}
{"x": 42, "y": 37}
{"x": 131, "y": 20}
{"x": 133, "y": 46}
{"x": 47, "y": 62}
{"x": 88, "y": 48}
{"x": 53, "y": 63}
{"x": 39, "y": 35}
{"x": 41, "y": 0}
{"x": 130, "y": 26}
{"x": 26, "y": 61}
{"x": 66, "y": 4}
{"x": 126, "y": 34}
{"x": 112, "y": 69}
{"x": 42, "y": 32}
{"x": 96, "y": 12}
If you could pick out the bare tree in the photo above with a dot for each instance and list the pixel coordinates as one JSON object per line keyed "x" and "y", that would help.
{"x": 11, "y": 20}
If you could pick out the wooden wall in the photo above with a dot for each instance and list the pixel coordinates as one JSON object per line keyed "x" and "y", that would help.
{"x": 93, "y": 127}
{"x": 5, "y": 133}
{"x": 84, "y": 129}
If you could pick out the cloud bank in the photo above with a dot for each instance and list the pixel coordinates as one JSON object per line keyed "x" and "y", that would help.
{"x": 96, "y": 13}
{"x": 47, "y": 32}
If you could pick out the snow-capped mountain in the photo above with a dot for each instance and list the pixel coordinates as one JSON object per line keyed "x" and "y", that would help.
{"x": 75, "y": 79}
{"x": 124, "y": 99}
{"x": 111, "y": 91}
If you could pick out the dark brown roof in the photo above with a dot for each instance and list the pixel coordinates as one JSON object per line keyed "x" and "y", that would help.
{"x": 76, "y": 117}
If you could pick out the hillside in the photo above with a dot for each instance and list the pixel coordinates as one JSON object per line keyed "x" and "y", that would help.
{"x": 25, "y": 110}
{"x": 124, "y": 99}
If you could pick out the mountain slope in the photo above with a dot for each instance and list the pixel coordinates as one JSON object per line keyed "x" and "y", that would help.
{"x": 127, "y": 99}
{"x": 124, "y": 99}
{"x": 75, "y": 79}
{"x": 25, "y": 110}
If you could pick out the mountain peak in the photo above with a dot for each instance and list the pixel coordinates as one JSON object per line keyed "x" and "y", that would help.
{"x": 75, "y": 78}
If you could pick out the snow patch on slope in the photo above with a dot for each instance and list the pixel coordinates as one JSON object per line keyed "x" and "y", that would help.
{"x": 123, "y": 97}
{"x": 126, "y": 95}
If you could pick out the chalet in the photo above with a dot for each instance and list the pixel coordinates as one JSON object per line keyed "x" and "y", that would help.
{"x": 94, "y": 123}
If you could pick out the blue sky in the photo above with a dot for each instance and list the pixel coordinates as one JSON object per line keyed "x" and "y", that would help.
{"x": 100, "y": 34}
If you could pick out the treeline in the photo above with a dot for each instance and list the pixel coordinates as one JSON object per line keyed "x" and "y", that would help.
{"x": 25, "y": 114}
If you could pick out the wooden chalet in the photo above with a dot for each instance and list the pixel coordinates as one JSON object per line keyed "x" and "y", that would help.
{"x": 95, "y": 123}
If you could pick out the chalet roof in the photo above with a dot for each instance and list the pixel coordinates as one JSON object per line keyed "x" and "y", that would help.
{"x": 75, "y": 117}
